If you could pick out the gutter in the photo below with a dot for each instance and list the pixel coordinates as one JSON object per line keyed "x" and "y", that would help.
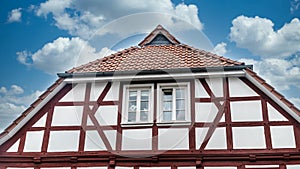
{"x": 154, "y": 72}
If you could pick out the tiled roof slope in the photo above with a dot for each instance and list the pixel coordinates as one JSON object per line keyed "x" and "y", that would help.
{"x": 156, "y": 58}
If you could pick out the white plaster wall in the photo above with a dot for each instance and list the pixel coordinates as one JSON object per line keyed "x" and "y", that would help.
{"x": 96, "y": 90}
{"x": 107, "y": 115}
{"x": 248, "y": 137}
{"x": 283, "y": 137}
{"x": 200, "y": 136}
{"x": 75, "y": 94}
{"x": 14, "y": 147}
{"x": 206, "y": 112}
{"x": 218, "y": 139}
{"x": 19, "y": 168}
{"x": 33, "y": 141}
{"x": 246, "y": 111}
{"x": 67, "y": 116}
{"x": 274, "y": 115}
{"x": 297, "y": 166}
{"x": 56, "y": 168}
{"x": 137, "y": 139}
{"x": 238, "y": 88}
{"x": 186, "y": 167}
{"x": 155, "y": 167}
{"x": 173, "y": 139}
{"x": 41, "y": 122}
{"x": 111, "y": 135}
{"x": 63, "y": 141}
{"x": 113, "y": 93}
{"x": 93, "y": 141}
{"x": 104, "y": 167}
{"x": 120, "y": 167}
{"x": 199, "y": 90}
{"x": 261, "y": 166}
{"x": 216, "y": 86}
{"x": 220, "y": 167}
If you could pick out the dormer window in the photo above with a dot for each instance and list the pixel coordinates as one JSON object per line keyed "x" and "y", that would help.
{"x": 160, "y": 39}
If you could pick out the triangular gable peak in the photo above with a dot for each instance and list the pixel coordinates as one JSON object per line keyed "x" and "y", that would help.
{"x": 159, "y": 36}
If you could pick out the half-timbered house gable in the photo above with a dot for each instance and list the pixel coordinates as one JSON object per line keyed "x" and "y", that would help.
{"x": 161, "y": 104}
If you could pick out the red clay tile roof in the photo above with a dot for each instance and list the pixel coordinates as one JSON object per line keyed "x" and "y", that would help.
{"x": 156, "y": 58}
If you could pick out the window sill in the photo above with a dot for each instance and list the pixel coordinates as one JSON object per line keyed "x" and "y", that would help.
{"x": 174, "y": 123}
{"x": 137, "y": 124}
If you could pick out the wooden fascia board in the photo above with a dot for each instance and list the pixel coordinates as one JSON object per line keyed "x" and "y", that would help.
{"x": 191, "y": 75}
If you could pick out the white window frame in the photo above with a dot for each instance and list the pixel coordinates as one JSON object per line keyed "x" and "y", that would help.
{"x": 126, "y": 89}
{"x": 174, "y": 121}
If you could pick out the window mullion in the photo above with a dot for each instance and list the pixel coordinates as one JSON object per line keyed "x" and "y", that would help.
{"x": 127, "y": 104}
{"x": 174, "y": 104}
{"x": 149, "y": 105}
{"x": 138, "y": 112}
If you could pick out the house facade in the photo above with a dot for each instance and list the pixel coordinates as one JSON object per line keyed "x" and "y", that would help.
{"x": 160, "y": 105}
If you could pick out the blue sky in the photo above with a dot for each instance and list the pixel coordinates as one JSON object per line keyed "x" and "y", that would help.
{"x": 42, "y": 38}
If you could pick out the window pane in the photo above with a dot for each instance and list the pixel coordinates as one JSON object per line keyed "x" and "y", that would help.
{"x": 145, "y": 95}
{"x": 131, "y": 116}
{"x": 167, "y": 94}
{"x": 132, "y": 106}
{"x": 180, "y": 115}
{"x": 144, "y": 116}
{"x": 180, "y": 93}
{"x": 132, "y": 95}
{"x": 144, "y": 105}
{"x": 167, "y": 106}
{"x": 180, "y": 104}
{"x": 167, "y": 116}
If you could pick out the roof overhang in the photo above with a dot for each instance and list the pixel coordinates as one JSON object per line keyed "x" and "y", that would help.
{"x": 165, "y": 74}
{"x": 205, "y": 70}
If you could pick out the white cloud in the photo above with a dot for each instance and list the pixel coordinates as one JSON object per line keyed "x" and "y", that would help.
{"x": 259, "y": 37}
{"x": 61, "y": 54}
{"x": 53, "y": 6}
{"x": 13, "y": 102}
{"x": 280, "y": 73}
{"x": 295, "y": 4}
{"x": 86, "y": 17}
{"x": 220, "y": 49}
{"x": 15, "y": 15}
{"x": 295, "y": 101}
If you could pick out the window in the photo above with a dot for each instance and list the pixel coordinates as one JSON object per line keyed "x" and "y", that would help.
{"x": 138, "y": 101}
{"x": 173, "y": 103}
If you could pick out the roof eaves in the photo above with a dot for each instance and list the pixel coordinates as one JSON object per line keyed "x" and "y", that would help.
{"x": 159, "y": 71}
